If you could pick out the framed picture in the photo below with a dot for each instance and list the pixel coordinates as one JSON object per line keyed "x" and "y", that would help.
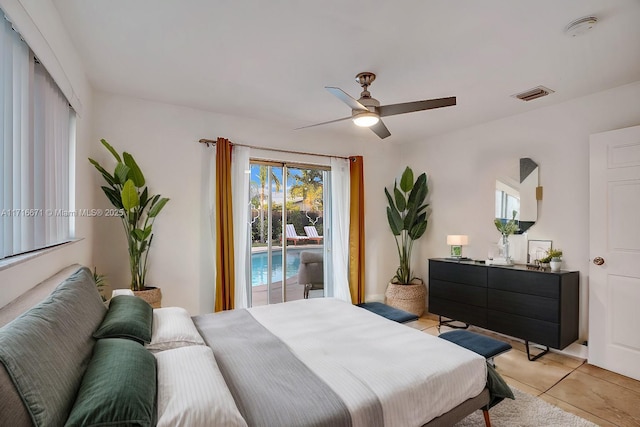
{"x": 537, "y": 249}
{"x": 456, "y": 251}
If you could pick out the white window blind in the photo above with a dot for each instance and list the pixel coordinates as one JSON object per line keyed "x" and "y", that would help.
{"x": 35, "y": 168}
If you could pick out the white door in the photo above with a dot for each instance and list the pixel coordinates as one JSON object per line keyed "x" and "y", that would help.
{"x": 614, "y": 273}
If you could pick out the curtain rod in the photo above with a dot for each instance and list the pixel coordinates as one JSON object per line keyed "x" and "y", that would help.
{"x": 213, "y": 142}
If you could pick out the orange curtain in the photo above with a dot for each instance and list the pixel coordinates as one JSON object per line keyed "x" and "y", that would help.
{"x": 356, "y": 230}
{"x": 224, "y": 228}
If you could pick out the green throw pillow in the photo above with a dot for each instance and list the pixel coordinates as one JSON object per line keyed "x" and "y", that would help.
{"x": 118, "y": 388}
{"x": 128, "y": 317}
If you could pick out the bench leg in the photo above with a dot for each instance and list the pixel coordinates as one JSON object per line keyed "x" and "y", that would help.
{"x": 487, "y": 420}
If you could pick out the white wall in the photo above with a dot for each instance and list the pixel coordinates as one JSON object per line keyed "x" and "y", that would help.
{"x": 40, "y": 25}
{"x": 463, "y": 166}
{"x": 163, "y": 139}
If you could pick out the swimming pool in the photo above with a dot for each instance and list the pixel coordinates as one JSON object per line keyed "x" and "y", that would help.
{"x": 259, "y": 265}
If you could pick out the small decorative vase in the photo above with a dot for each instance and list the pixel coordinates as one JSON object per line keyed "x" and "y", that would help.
{"x": 505, "y": 248}
{"x": 555, "y": 264}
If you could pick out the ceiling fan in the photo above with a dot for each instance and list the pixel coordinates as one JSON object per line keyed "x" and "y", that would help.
{"x": 367, "y": 111}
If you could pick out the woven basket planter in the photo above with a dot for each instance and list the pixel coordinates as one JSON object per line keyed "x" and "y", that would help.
{"x": 411, "y": 298}
{"x": 153, "y": 296}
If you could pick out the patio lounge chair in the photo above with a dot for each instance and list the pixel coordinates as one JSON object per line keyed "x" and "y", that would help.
{"x": 292, "y": 236}
{"x": 312, "y": 234}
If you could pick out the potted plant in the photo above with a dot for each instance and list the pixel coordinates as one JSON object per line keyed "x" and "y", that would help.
{"x": 407, "y": 215}
{"x": 127, "y": 192}
{"x": 553, "y": 259}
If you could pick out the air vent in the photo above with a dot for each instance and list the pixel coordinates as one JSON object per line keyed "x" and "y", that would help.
{"x": 531, "y": 94}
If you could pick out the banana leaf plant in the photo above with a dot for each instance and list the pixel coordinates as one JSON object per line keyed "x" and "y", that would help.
{"x": 127, "y": 192}
{"x": 408, "y": 216}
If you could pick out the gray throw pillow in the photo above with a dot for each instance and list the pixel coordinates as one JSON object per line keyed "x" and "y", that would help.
{"x": 47, "y": 349}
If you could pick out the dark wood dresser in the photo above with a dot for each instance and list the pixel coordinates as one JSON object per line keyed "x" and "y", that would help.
{"x": 537, "y": 306}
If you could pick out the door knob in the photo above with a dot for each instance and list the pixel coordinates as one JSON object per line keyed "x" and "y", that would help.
{"x": 598, "y": 260}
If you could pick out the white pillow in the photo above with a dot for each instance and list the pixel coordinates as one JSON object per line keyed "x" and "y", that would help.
{"x": 172, "y": 328}
{"x": 192, "y": 391}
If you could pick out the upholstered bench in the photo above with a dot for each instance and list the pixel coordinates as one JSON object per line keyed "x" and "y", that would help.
{"x": 389, "y": 312}
{"x": 483, "y": 345}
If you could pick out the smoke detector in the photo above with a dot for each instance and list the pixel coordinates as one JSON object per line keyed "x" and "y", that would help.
{"x": 580, "y": 26}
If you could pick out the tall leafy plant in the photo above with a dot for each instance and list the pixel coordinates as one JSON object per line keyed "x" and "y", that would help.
{"x": 407, "y": 215}
{"x": 127, "y": 191}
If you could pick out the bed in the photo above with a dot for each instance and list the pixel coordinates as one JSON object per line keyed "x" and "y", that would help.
{"x": 316, "y": 362}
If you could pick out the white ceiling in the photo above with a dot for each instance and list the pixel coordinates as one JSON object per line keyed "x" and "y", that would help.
{"x": 271, "y": 60}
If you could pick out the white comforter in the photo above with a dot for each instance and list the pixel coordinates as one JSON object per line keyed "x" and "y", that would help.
{"x": 416, "y": 376}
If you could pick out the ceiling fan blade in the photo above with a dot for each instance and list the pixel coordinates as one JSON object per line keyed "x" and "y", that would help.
{"x": 410, "y": 107}
{"x": 381, "y": 130}
{"x": 346, "y": 98}
{"x": 324, "y": 123}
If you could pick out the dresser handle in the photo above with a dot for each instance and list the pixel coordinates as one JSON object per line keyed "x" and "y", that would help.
{"x": 598, "y": 260}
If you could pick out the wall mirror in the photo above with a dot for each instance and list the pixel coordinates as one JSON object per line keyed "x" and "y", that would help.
{"x": 519, "y": 194}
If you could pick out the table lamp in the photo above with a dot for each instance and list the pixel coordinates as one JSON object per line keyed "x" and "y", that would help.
{"x": 457, "y": 241}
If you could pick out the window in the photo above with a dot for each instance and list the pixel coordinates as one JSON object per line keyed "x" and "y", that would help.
{"x": 36, "y": 171}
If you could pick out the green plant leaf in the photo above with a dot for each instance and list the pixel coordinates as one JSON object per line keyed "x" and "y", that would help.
{"x": 395, "y": 221}
{"x": 111, "y": 150}
{"x": 121, "y": 173}
{"x": 419, "y": 191}
{"x": 410, "y": 217}
{"x": 106, "y": 175}
{"x": 389, "y": 198}
{"x": 406, "y": 182}
{"x": 113, "y": 195}
{"x": 418, "y": 228}
{"x": 401, "y": 203}
{"x": 423, "y": 208}
{"x": 129, "y": 196}
{"x": 147, "y": 201}
{"x": 154, "y": 199}
{"x": 138, "y": 234}
{"x": 135, "y": 173}
{"x": 144, "y": 197}
{"x": 157, "y": 207}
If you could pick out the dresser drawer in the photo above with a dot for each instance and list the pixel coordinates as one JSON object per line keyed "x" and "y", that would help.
{"x": 525, "y": 282}
{"x": 536, "y": 331}
{"x": 458, "y": 311}
{"x": 533, "y": 306}
{"x": 472, "y": 295}
{"x": 473, "y": 275}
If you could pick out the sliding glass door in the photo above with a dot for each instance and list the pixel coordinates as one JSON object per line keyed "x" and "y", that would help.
{"x": 287, "y": 225}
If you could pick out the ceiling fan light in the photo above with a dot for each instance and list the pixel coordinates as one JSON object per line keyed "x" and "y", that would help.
{"x": 366, "y": 120}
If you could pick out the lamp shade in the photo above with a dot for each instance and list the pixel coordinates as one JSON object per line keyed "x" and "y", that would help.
{"x": 457, "y": 240}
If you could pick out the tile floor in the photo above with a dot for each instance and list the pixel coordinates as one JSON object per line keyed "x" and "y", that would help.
{"x": 603, "y": 397}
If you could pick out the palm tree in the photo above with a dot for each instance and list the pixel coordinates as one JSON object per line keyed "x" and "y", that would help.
{"x": 262, "y": 178}
{"x": 308, "y": 186}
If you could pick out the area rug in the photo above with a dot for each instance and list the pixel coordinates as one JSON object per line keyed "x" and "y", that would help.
{"x": 525, "y": 411}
